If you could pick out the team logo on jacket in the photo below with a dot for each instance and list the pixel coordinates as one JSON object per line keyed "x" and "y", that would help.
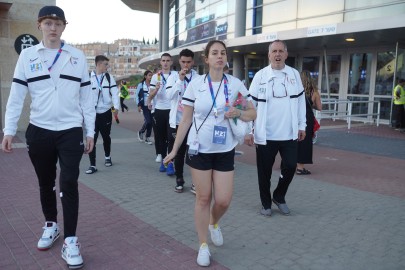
{"x": 74, "y": 60}
{"x": 36, "y": 67}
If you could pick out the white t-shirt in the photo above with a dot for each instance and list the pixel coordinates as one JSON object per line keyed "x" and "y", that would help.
{"x": 279, "y": 108}
{"x": 162, "y": 98}
{"x": 198, "y": 95}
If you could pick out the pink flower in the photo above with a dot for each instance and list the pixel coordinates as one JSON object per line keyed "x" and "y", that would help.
{"x": 240, "y": 103}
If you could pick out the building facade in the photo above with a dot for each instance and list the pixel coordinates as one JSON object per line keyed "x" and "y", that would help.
{"x": 355, "y": 49}
{"x": 124, "y": 55}
{"x": 18, "y": 30}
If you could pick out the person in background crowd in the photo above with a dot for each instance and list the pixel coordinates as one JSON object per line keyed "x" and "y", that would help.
{"x": 142, "y": 97}
{"x": 399, "y": 104}
{"x": 313, "y": 101}
{"x": 158, "y": 93}
{"x": 177, "y": 86}
{"x": 56, "y": 76}
{"x": 211, "y": 144}
{"x": 124, "y": 94}
{"x": 334, "y": 87}
{"x": 279, "y": 97}
{"x": 152, "y": 110}
{"x": 105, "y": 96}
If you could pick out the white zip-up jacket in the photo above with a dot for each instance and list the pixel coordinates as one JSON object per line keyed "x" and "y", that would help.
{"x": 55, "y": 106}
{"x": 175, "y": 91}
{"x": 260, "y": 91}
{"x": 109, "y": 95}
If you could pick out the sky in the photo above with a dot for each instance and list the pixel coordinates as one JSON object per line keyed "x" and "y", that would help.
{"x": 106, "y": 21}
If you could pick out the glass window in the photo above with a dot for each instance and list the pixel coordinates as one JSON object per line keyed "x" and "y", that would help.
{"x": 385, "y": 107}
{"x": 201, "y": 5}
{"x": 359, "y": 108}
{"x": 385, "y": 73}
{"x": 333, "y": 62}
{"x": 401, "y": 62}
{"x": 359, "y": 80}
{"x": 257, "y": 17}
{"x": 231, "y": 6}
{"x": 219, "y": 9}
{"x": 311, "y": 63}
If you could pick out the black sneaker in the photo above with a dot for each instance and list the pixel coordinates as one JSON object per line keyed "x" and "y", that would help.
{"x": 192, "y": 189}
{"x": 108, "y": 162}
{"x": 179, "y": 185}
{"x": 91, "y": 170}
{"x": 140, "y": 136}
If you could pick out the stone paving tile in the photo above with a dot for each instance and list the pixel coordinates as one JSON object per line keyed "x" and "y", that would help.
{"x": 340, "y": 219}
{"x": 111, "y": 238}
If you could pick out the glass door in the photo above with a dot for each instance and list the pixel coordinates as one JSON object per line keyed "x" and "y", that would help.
{"x": 331, "y": 79}
{"x": 359, "y": 81}
{"x": 384, "y": 82}
{"x": 399, "y": 73}
{"x": 254, "y": 63}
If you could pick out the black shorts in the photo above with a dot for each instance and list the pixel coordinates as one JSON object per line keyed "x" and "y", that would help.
{"x": 223, "y": 162}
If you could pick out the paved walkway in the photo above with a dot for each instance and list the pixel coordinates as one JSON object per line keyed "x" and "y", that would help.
{"x": 348, "y": 214}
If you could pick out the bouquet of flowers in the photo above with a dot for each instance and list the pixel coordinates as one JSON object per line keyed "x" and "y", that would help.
{"x": 241, "y": 128}
{"x": 239, "y": 103}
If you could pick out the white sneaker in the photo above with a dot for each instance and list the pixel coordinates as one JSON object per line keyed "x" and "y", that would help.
{"x": 71, "y": 253}
{"x": 203, "y": 258}
{"x": 158, "y": 158}
{"x": 50, "y": 234}
{"x": 216, "y": 235}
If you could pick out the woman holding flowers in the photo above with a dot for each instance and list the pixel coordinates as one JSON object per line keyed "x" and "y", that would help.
{"x": 208, "y": 107}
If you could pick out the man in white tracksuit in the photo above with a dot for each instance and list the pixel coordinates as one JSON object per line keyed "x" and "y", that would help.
{"x": 55, "y": 75}
{"x": 279, "y": 97}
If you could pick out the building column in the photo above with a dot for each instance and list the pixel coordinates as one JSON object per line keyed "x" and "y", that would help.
{"x": 240, "y": 31}
{"x": 160, "y": 26}
{"x": 240, "y": 18}
{"x": 165, "y": 25}
{"x": 238, "y": 69}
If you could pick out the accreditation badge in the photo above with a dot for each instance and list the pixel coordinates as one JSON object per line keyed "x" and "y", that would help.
{"x": 219, "y": 136}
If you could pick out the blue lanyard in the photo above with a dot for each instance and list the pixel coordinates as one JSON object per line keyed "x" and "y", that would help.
{"x": 99, "y": 82}
{"x": 213, "y": 96}
{"x": 163, "y": 77}
{"x": 187, "y": 81}
{"x": 57, "y": 56}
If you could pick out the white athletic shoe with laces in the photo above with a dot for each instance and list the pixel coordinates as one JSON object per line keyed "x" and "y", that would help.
{"x": 50, "y": 234}
{"x": 203, "y": 258}
{"x": 158, "y": 158}
{"x": 216, "y": 235}
{"x": 71, "y": 253}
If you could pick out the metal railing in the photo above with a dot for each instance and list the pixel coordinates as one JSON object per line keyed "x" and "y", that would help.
{"x": 334, "y": 111}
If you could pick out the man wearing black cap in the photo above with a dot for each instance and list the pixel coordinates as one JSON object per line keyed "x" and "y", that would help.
{"x": 56, "y": 76}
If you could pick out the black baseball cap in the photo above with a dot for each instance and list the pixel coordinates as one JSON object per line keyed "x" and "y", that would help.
{"x": 52, "y": 12}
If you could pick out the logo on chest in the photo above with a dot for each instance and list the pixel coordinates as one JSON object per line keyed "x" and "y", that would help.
{"x": 36, "y": 67}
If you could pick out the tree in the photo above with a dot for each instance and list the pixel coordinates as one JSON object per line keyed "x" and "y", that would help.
{"x": 143, "y": 40}
{"x": 156, "y": 41}
{"x": 148, "y": 42}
